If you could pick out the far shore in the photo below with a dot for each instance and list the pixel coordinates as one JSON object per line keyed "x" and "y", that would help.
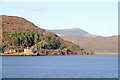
{"x": 107, "y": 53}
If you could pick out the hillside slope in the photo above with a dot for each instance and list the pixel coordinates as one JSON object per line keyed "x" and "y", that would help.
{"x": 101, "y": 44}
{"x": 18, "y": 24}
{"x": 18, "y": 33}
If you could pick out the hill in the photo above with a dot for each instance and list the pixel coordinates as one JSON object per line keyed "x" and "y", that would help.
{"x": 73, "y": 34}
{"x": 19, "y": 33}
{"x": 18, "y": 24}
{"x": 89, "y": 41}
{"x": 101, "y": 44}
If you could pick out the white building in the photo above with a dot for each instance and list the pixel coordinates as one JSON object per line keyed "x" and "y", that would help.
{"x": 28, "y": 51}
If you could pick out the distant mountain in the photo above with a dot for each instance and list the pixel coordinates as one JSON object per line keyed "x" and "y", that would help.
{"x": 73, "y": 34}
{"x": 73, "y": 31}
{"x": 89, "y": 41}
{"x": 100, "y": 44}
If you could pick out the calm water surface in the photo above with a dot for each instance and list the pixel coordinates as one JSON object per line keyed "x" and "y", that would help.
{"x": 92, "y": 66}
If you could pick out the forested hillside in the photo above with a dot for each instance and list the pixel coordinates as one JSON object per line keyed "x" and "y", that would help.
{"x": 18, "y": 34}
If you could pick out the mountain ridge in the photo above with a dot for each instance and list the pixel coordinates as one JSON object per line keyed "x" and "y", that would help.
{"x": 87, "y": 41}
{"x": 73, "y": 31}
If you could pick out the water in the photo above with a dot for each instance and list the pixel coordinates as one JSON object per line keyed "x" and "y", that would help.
{"x": 91, "y": 66}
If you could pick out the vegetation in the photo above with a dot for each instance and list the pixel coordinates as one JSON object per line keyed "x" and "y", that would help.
{"x": 19, "y": 34}
{"x": 20, "y": 40}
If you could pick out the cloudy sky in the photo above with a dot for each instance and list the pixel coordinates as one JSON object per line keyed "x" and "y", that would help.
{"x": 100, "y": 18}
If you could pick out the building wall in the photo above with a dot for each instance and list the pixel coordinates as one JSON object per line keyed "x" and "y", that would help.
{"x": 28, "y": 51}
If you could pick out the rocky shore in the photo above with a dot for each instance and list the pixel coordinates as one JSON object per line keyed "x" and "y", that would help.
{"x": 49, "y": 53}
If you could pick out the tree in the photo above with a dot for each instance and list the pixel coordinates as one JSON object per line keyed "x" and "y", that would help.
{"x": 36, "y": 38}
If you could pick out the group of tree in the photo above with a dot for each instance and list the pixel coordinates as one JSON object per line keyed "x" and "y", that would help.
{"x": 21, "y": 40}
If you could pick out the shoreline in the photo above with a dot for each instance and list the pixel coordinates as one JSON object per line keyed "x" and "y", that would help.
{"x": 3, "y": 54}
{"x": 106, "y": 53}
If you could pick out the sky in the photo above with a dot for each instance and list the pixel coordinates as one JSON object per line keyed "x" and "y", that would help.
{"x": 99, "y": 18}
{"x": 60, "y": 0}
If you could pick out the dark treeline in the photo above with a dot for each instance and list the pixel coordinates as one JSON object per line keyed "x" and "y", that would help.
{"x": 21, "y": 40}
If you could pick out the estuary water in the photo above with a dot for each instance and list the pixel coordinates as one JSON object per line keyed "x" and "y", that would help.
{"x": 82, "y": 66}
